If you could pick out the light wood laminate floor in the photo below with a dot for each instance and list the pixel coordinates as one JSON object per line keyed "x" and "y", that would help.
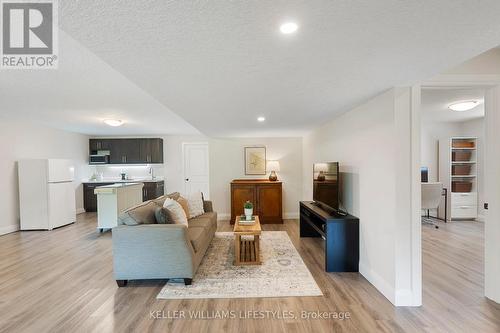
{"x": 61, "y": 281}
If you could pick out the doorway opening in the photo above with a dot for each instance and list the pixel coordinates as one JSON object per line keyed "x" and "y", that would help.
{"x": 452, "y": 157}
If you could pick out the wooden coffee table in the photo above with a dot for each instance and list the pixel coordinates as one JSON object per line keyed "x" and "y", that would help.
{"x": 247, "y": 251}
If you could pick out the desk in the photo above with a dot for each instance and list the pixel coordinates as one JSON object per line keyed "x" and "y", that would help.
{"x": 445, "y": 194}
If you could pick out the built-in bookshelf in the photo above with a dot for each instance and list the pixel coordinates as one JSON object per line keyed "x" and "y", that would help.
{"x": 458, "y": 173}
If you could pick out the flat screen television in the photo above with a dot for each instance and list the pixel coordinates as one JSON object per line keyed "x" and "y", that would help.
{"x": 326, "y": 185}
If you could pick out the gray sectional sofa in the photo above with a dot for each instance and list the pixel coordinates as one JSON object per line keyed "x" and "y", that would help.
{"x": 160, "y": 251}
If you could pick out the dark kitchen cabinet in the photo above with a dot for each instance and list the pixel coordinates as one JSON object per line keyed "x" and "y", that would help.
{"x": 130, "y": 151}
{"x": 150, "y": 191}
{"x": 152, "y": 150}
{"x": 89, "y": 198}
{"x": 99, "y": 144}
{"x": 153, "y": 190}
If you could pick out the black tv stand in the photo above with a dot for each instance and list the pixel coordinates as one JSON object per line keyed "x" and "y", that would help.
{"x": 331, "y": 211}
{"x": 341, "y": 234}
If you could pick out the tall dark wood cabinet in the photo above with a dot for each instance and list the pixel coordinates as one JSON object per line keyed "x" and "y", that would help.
{"x": 265, "y": 195}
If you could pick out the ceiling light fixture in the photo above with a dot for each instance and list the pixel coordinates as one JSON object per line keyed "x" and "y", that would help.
{"x": 113, "y": 122}
{"x": 289, "y": 28}
{"x": 261, "y": 119}
{"x": 463, "y": 106}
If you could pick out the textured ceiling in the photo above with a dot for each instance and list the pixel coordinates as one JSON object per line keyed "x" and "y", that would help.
{"x": 81, "y": 94}
{"x": 220, "y": 64}
{"x": 435, "y": 104}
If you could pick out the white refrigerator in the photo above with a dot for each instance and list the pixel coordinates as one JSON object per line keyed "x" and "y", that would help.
{"x": 46, "y": 193}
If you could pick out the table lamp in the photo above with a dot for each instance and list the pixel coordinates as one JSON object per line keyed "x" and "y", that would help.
{"x": 273, "y": 166}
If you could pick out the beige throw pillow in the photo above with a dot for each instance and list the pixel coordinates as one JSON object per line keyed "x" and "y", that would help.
{"x": 195, "y": 204}
{"x": 176, "y": 212}
{"x": 184, "y": 204}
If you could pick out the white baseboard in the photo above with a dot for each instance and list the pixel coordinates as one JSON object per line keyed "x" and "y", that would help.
{"x": 403, "y": 297}
{"x": 291, "y": 216}
{"x": 227, "y": 216}
{"x": 9, "y": 229}
{"x": 480, "y": 218}
{"x": 378, "y": 282}
{"x": 223, "y": 216}
{"x": 80, "y": 211}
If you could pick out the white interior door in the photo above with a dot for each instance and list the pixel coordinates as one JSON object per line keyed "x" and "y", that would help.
{"x": 196, "y": 168}
{"x": 492, "y": 195}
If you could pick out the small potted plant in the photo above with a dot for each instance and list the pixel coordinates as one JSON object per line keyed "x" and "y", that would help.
{"x": 248, "y": 207}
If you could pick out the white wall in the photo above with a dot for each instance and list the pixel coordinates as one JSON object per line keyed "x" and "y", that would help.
{"x": 19, "y": 140}
{"x": 366, "y": 142}
{"x": 432, "y": 132}
{"x": 227, "y": 163}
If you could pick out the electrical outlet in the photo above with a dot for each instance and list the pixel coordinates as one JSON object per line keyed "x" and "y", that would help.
{"x": 486, "y": 205}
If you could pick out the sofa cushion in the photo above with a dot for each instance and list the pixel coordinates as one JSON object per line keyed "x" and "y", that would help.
{"x": 141, "y": 214}
{"x": 162, "y": 216}
{"x": 207, "y": 220}
{"x": 195, "y": 204}
{"x": 184, "y": 204}
{"x": 161, "y": 200}
{"x": 176, "y": 212}
{"x": 199, "y": 237}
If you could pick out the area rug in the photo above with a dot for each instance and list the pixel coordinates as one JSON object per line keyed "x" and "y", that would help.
{"x": 281, "y": 274}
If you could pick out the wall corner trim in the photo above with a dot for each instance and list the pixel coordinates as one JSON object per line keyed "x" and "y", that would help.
{"x": 9, "y": 229}
{"x": 383, "y": 286}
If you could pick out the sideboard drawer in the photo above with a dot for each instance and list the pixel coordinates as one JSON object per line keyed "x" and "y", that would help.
{"x": 464, "y": 212}
{"x": 464, "y": 199}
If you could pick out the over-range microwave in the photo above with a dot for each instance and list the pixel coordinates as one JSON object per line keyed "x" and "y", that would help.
{"x": 99, "y": 159}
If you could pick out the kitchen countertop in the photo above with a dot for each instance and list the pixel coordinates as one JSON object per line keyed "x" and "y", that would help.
{"x": 134, "y": 180}
{"x": 118, "y": 185}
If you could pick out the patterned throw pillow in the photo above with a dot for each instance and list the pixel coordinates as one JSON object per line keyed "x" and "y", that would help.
{"x": 195, "y": 204}
{"x": 176, "y": 212}
{"x": 162, "y": 216}
{"x": 184, "y": 203}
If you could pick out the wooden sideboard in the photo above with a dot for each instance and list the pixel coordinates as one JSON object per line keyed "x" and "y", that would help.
{"x": 264, "y": 194}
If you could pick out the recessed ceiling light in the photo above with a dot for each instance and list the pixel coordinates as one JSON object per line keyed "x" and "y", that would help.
{"x": 463, "y": 106}
{"x": 288, "y": 28}
{"x": 261, "y": 119}
{"x": 113, "y": 122}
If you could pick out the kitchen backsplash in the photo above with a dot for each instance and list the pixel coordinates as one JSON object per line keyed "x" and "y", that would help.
{"x": 132, "y": 171}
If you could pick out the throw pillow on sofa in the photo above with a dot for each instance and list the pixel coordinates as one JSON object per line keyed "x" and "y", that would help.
{"x": 141, "y": 214}
{"x": 162, "y": 216}
{"x": 184, "y": 204}
{"x": 176, "y": 212}
{"x": 195, "y": 204}
{"x": 161, "y": 200}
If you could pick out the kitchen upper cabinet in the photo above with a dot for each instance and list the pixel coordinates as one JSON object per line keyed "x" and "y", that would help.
{"x": 99, "y": 144}
{"x": 152, "y": 150}
{"x": 130, "y": 151}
